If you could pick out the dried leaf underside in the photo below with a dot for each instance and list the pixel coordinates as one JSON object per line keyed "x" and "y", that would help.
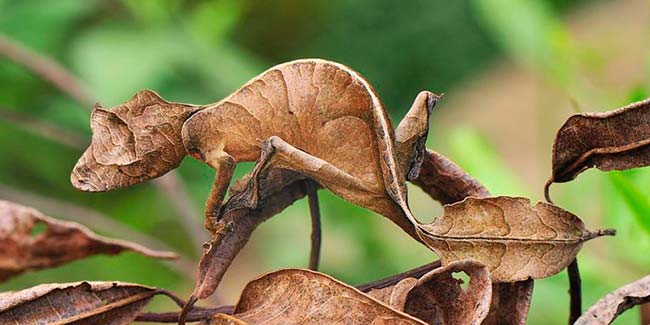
{"x": 438, "y": 298}
{"x": 605, "y": 310}
{"x": 614, "y": 140}
{"x": 78, "y": 303}
{"x": 278, "y": 190}
{"x": 510, "y": 303}
{"x": 444, "y": 181}
{"x": 295, "y": 296}
{"x": 515, "y": 240}
{"x": 133, "y": 142}
{"x": 21, "y": 249}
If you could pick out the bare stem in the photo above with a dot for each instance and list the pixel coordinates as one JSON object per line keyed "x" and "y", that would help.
{"x": 44, "y": 129}
{"x": 393, "y": 279}
{"x": 314, "y": 211}
{"x": 575, "y": 291}
{"x": 196, "y": 314}
{"x": 47, "y": 69}
{"x": 173, "y": 188}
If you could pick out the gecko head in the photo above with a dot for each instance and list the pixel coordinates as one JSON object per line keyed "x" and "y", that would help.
{"x": 200, "y": 138}
{"x": 132, "y": 143}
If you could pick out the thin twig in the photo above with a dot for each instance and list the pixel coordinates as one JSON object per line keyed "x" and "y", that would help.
{"x": 393, "y": 279}
{"x": 198, "y": 314}
{"x": 314, "y": 211}
{"x": 575, "y": 291}
{"x": 43, "y": 129}
{"x": 46, "y": 69}
{"x": 644, "y": 311}
{"x": 57, "y": 75}
{"x": 97, "y": 220}
{"x": 172, "y": 187}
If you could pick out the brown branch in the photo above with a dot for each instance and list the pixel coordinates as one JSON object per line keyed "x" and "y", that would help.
{"x": 57, "y": 75}
{"x": 96, "y": 220}
{"x": 47, "y": 69}
{"x": 195, "y": 315}
{"x": 198, "y": 314}
{"x": 173, "y": 188}
{"x": 314, "y": 211}
{"x": 393, "y": 279}
{"x": 575, "y": 291}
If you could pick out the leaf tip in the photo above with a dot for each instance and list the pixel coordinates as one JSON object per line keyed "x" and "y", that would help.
{"x": 600, "y": 233}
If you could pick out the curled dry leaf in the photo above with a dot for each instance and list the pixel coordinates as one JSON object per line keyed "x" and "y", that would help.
{"x": 21, "y": 249}
{"x": 444, "y": 181}
{"x": 605, "y": 310}
{"x": 78, "y": 303}
{"x": 515, "y": 240}
{"x": 510, "y": 303}
{"x": 447, "y": 183}
{"x": 133, "y": 142}
{"x": 295, "y": 296}
{"x": 279, "y": 189}
{"x": 438, "y": 298}
{"x": 614, "y": 140}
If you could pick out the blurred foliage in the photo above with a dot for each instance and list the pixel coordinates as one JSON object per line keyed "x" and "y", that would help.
{"x": 199, "y": 51}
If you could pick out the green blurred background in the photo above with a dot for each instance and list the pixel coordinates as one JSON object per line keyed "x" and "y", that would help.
{"x": 512, "y": 72}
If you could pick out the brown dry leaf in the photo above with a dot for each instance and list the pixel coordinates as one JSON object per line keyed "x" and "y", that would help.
{"x": 78, "y": 303}
{"x": 438, "y": 298}
{"x": 296, "y": 296}
{"x": 605, "y": 310}
{"x": 510, "y": 303}
{"x": 21, "y": 249}
{"x": 133, "y": 142}
{"x": 444, "y": 181}
{"x": 515, "y": 240}
{"x": 447, "y": 183}
{"x": 614, "y": 140}
{"x": 279, "y": 189}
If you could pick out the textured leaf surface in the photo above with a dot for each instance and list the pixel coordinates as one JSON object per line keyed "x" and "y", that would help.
{"x": 515, "y": 240}
{"x": 133, "y": 142}
{"x": 21, "y": 249}
{"x": 278, "y": 190}
{"x": 78, "y": 303}
{"x": 438, "y": 298}
{"x": 296, "y": 296}
{"x": 605, "y": 310}
{"x": 444, "y": 181}
{"x": 320, "y": 119}
{"x": 614, "y": 140}
{"x": 510, "y": 303}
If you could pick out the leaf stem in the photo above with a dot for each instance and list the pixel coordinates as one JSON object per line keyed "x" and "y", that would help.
{"x": 195, "y": 315}
{"x": 575, "y": 291}
{"x": 393, "y": 279}
{"x": 314, "y": 211}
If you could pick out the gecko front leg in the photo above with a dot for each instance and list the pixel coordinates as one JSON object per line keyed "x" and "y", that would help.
{"x": 224, "y": 165}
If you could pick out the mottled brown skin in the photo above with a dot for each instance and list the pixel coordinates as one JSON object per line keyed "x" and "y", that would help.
{"x": 315, "y": 117}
